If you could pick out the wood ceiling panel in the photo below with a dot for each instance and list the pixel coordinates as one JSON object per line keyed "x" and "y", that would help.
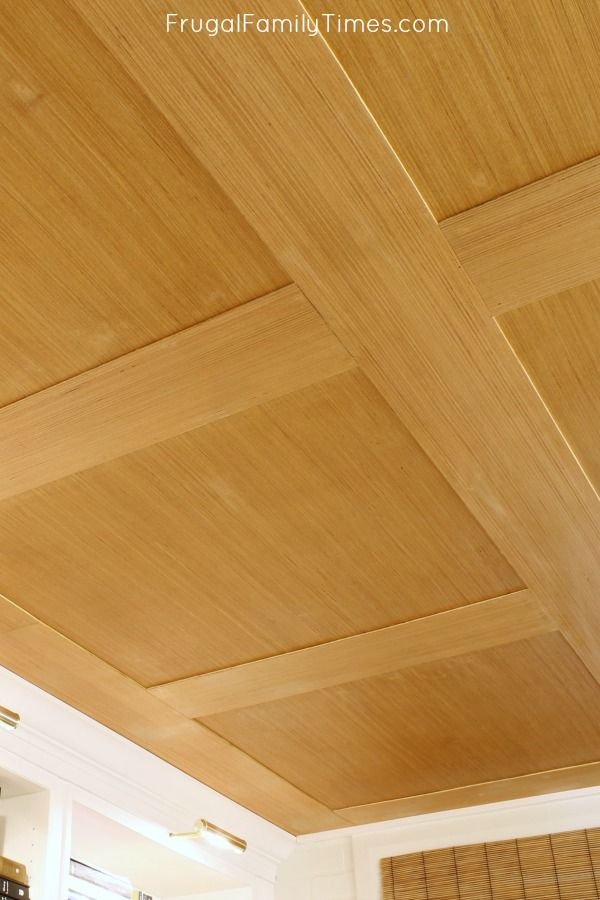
{"x": 469, "y": 115}
{"x": 558, "y": 342}
{"x": 111, "y": 234}
{"x": 316, "y": 516}
{"x": 534, "y": 242}
{"x": 264, "y": 349}
{"x": 495, "y": 714}
{"x": 533, "y": 784}
{"x": 79, "y": 678}
{"x": 499, "y": 620}
{"x": 321, "y": 184}
{"x": 311, "y": 518}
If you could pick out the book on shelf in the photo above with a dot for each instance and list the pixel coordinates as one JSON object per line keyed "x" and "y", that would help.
{"x": 13, "y": 890}
{"x": 13, "y": 871}
{"x": 90, "y": 883}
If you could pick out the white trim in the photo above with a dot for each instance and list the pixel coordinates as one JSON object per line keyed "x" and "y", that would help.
{"x": 59, "y": 844}
{"x": 70, "y": 754}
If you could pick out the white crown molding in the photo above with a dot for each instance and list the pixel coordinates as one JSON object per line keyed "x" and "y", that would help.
{"x": 64, "y": 750}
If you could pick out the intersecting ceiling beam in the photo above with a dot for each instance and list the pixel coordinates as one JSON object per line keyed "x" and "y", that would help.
{"x": 501, "y": 620}
{"x": 289, "y": 138}
{"x": 57, "y": 665}
{"x": 568, "y": 779}
{"x": 534, "y": 242}
{"x": 244, "y": 357}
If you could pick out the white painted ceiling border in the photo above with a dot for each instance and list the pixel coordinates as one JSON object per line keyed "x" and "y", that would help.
{"x": 69, "y": 753}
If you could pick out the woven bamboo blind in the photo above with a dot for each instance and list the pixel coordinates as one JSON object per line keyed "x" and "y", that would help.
{"x": 562, "y": 866}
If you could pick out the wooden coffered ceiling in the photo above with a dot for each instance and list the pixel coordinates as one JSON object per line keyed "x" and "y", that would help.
{"x": 299, "y": 379}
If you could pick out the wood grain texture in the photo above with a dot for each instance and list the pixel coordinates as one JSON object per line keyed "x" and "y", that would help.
{"x": 525, "y": 707}
{"x": 112, "y": 235}
{"x": 12, "y": 617}
{"x": 508, "y": 96}
{"x": 489, "y": 623}
{"x": 532, "y": 243}
{"x": 325, "y": 190}
{"x": 215, "y": 369}
{"x": 569, "y": 778}
{"x": 65, "y": 670}
{"x": 558, "y": 343}
{"x": 336, "y": 509}
{"x": 306, "y": 519}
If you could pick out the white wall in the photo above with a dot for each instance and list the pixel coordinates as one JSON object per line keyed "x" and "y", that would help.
{"x": 318, "y": 871}
{"x": 344, "y": 864}
{"x": 24, "y": 825}
{"x": 157, "y": 870}
{"x": 244, "y": 893}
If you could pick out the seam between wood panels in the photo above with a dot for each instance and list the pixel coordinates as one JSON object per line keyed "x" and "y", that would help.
{"x": 399, "y": 162}
{"x": 273, "y": 771}
{"x": 467, "y": 616}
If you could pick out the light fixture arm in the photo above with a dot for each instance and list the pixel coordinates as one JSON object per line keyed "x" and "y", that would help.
{"x": 214, "y": 835}
{"x": 8, "y": 718}
{"x": 186, "y": 834}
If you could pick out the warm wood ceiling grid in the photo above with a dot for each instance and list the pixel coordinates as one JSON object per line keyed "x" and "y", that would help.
{"x": 113, "y": 233}
{"x": 289, "y": 466}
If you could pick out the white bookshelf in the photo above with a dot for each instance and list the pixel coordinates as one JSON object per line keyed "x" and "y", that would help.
{"x": 26, "y": 826}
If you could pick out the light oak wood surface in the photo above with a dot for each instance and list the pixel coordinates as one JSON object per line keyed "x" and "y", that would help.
{"x": 59, "y": 666}
{"x": 481, "y": 625}
{"x": 12, "y": 617}
{"x": 255, "y": 535}
{"x": 289, "y": 514}
{"x": 323, "y": 187}
{"x": 483, "y": 716}
{"x": 507, "y": 97}
{"x": 558, "y": 343}
{"x": 112, "y": 234}
{"x": 216, "y": 369}
{"x": 535, "y": 242}
{"x": 553, "y": 781}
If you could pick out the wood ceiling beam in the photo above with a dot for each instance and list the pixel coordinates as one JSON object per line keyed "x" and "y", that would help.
{"x": 534, "y": 242}
{"x": 241, "y": 358}
{"x": 57, "y": 665}
{"x": 567, "y": 779}
{"x": 281, "y": 128}
{"x": 478, "y": 626}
